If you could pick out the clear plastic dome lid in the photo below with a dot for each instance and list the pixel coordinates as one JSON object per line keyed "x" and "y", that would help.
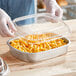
{"x": 41, "y": 27}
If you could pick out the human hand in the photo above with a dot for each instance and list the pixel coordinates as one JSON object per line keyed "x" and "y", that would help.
{"x": 7, "y": 28}
{"x": 53, "y": 8}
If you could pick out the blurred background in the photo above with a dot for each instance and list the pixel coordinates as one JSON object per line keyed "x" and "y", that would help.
{"x": 68, "y": 6}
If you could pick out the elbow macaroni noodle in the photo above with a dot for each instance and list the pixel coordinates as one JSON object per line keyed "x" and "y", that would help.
{"x": 37, "y": 43}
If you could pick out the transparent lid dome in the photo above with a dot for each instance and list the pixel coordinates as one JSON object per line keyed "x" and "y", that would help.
{"x": 41, "y": 26}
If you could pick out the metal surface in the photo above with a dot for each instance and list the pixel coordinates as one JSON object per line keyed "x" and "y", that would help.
{"x": 69, "y": 6}
{"x": 4, "y": 69}
{"x": 69, "y": 11}
{"x": 34, "y": 57}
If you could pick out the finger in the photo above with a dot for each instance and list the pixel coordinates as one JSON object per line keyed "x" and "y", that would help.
{"x": 53, "y": 19}
{"x": 8, "y": 34}
{"x": 11, "y": 25}
{"x": 2, "y": 34}
{"x": 6, "y": 29}
{"x": 51, "y": 10}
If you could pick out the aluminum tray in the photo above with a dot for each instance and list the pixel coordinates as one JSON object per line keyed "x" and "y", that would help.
{"x": 34, "y": 57}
